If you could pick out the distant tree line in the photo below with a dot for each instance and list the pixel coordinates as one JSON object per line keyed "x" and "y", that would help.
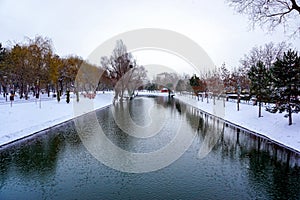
{"x": 32, "y": 67}
{"x": 269, "y": 74}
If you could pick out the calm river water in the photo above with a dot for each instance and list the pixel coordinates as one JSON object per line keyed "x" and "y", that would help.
{"x": 220, "y": 163}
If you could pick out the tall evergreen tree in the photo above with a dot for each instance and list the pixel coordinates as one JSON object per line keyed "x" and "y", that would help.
{"x": 198, "y": 85}
{"x": 260, "y": 83}
{"x": 286, "y": 81}
{"x": 194, "y": 81}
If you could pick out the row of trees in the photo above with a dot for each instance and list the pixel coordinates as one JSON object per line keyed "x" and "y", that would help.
{"x": 279, "y": 83}
{"x": 270, "y": 73}
{"x": 33, "y": 66}
{"x": 274, "y": 78}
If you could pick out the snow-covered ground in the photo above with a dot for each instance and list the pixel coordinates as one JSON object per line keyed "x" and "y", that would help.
{"x": 274, "y": 126}
{"x": 23, "y": 119}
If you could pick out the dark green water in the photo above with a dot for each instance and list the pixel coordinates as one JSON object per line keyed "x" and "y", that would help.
{"x": 56, "y": 165}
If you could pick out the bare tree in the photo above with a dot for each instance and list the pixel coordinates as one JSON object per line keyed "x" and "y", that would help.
{"x": 181, "y": 85}
{"x": 270, "y": 13}
{"x": 215, "y": 84}
{"x": 266, "y": 54}
{"x": 87, "y": 79}
{"x": 118, "y": 64}
{"x": 137, "y": 78}
{"x": 123, "y": 70}
{"x": 225, "y": 77}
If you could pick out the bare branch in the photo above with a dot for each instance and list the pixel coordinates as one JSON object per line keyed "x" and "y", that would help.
{"x": 270, "y": 13}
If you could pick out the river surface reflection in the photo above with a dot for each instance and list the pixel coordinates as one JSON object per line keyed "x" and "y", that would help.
{"x": 220, "y": 163}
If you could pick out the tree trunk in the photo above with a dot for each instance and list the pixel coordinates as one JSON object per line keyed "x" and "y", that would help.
{"x": 259, "y": 109}
{"x": 77, "y": 95}
{"x": 290, "y": 114}
{"x": 26, "y": 91}
{"x": 21, "y": 90}
{"x": 48, "y": 90}
{"x": 61, "y": 88}
{"x": 58, "y": 94}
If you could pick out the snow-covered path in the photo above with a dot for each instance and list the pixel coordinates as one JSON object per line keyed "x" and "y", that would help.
{"x": 273, "y": 126}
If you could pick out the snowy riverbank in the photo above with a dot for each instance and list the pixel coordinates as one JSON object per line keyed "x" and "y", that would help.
{"x": 23, "y": 119}
{"x": 273, "y": 126}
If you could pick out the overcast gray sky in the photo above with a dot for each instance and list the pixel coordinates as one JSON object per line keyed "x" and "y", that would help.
{"x": 78, "y": 27}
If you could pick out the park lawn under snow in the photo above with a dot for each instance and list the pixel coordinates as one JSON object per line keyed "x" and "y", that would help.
{"x": 23, "y": 119}
{"x": 274, "y": 126}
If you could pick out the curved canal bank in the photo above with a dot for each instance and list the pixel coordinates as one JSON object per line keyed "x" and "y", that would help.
{"x": 277, "y": 132}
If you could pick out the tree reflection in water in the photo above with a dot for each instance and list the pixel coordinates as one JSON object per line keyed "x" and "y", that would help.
{"x": 34, "y": 158}
{"x": 278, "y": 167}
